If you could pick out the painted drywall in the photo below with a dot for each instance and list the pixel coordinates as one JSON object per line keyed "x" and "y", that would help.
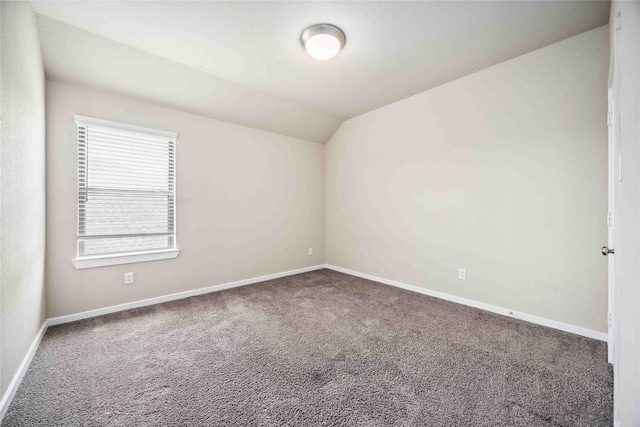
{"x": 625, "y": 81}
{"x": 76, "y": 56}
{"x": 22, "y": 198}
{"x": 502, "y": 173}
{"x": 390, "y": 47}
{"x": 249, "y": 203}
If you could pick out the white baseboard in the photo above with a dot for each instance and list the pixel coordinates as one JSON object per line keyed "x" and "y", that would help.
{"x": 172, "y": 297}
{"x": 22, "y": 369}
{"x": 602, "y": 336}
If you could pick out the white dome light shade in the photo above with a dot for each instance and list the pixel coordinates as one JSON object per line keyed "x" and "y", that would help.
{"x": 323, "y": 41}
{"x": 322, "y": 47}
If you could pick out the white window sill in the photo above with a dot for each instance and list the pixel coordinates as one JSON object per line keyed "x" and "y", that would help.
{"x": 103, "y": 261}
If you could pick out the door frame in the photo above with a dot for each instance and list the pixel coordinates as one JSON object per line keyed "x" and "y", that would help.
{"x": 611, "y": 215}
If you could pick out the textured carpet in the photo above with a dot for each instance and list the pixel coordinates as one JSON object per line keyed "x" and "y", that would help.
{"x": 320, "y": 348}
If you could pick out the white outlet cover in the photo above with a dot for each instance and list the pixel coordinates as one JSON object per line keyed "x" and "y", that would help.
{"x": 128, "y": 278}
{"x": 462, "y": 274}
{"x": 310, "y": 251}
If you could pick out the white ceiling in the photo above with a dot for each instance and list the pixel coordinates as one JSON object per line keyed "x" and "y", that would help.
{"x": 393, "y": 50}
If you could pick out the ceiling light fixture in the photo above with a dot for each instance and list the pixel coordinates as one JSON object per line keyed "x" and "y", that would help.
{"x": 323, "y": 41}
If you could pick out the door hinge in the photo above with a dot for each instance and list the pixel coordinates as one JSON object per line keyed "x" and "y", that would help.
{"x": 610, "y": 219}
{"x": 610, "y": 118}
{"x": 610, "y": 320}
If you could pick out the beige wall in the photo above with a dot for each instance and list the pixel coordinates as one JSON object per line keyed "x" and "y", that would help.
{"x": 22, "y": 200}
{"x": 249, "y": 203}
{"x": 502, "y": 172}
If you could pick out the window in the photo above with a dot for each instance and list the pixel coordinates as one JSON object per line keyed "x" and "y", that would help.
{"x": 126, "y": 193}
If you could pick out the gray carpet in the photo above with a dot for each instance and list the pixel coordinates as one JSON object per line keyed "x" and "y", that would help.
{"x": 316, "y": 349}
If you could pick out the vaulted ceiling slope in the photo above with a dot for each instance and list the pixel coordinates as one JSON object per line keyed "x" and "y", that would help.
{"x": 242, "y": 61}
{"x": 77, "y": 56}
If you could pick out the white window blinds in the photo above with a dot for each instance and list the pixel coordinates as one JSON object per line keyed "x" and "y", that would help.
{"x": 126, "y": 189}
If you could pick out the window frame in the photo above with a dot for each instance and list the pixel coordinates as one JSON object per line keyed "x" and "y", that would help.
{"x": 101, "y": 260}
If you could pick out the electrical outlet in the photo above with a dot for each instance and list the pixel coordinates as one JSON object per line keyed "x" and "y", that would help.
{"x": 128, "y": 278}
{"x": 310, "y": 251}
{"x": 462, "y": 274}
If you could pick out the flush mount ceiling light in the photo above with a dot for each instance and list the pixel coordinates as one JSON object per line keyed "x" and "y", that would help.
{"x": 323, "y": 41}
